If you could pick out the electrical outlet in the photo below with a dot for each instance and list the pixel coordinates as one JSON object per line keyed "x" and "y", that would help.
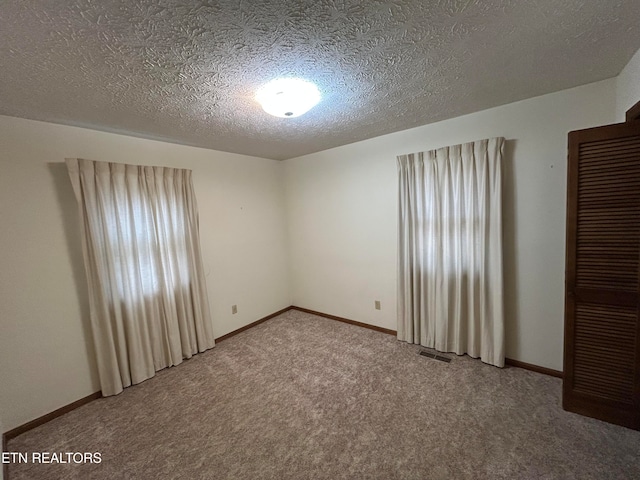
{"x": 377, "y": 304}
{"x": 234, "y": 309}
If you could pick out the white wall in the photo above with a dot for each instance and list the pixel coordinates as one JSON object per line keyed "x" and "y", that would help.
{"x": 628, "y": 87}
{"x": 45, "y": 350}
{"x": 342, "y": 214}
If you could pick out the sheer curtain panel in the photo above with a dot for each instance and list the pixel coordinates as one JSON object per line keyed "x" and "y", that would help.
{"x": 450, "y": 285}
{"x": 141, "y": 247}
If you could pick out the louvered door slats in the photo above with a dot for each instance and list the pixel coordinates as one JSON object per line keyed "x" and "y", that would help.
{"x": 611, "y": 191}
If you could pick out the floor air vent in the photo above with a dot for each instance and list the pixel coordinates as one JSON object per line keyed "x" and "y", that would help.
{"x": 435, "y": 356}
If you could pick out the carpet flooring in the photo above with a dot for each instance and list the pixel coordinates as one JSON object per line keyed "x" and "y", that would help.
{"x": 303, "y": 397}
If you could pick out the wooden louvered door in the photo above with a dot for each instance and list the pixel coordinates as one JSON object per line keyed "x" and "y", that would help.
{"x": 602, "y": 332}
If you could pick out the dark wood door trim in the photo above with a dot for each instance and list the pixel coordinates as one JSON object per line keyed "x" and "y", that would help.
{"x": 633, "y": 113}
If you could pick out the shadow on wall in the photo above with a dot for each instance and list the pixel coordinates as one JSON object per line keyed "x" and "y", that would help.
{"x": 510, "y": 259}
{"x": 69, "y": 213}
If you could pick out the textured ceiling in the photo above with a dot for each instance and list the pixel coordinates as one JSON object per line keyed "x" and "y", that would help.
{"x": 186, "y": 71}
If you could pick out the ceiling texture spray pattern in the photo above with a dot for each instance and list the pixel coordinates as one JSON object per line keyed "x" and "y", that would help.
{"x": 186, "y": 71}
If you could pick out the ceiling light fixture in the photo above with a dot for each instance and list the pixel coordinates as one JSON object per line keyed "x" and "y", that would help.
{"x": 288, "y": 97}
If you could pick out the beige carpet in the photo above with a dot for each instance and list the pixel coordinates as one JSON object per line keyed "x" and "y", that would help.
{"x": 302, "y": 397}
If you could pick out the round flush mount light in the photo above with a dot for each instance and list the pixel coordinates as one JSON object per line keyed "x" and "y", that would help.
{"x": 288, "y": 97}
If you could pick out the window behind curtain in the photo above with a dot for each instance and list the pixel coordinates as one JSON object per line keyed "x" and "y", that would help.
{"x": 450, "y": 250}
{"x": 148, "y": 297}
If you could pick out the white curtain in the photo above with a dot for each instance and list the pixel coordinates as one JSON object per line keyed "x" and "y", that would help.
{"x": 141, "y": 247}
{"x": 450, "y": 286}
